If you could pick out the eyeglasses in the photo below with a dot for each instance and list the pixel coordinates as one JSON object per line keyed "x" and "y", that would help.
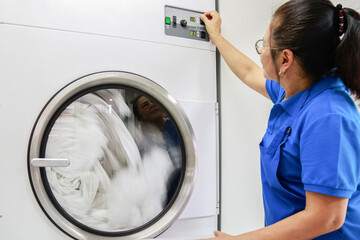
{"x": 259, "y": 46}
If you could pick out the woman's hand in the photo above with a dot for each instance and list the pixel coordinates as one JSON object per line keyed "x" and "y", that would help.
{"x": 220, "y": 236}
{"x": 212, "y": 22}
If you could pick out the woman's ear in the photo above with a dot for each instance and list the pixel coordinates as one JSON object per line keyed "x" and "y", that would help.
{"x": 286, "y": 59}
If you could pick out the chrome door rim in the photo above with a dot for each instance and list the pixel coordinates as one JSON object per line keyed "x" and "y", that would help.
{"x": 130, "y": 80}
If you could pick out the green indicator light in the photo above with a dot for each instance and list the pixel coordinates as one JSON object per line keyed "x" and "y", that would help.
{"x": 192, "y": 19}
{"x": 168, "y": 20}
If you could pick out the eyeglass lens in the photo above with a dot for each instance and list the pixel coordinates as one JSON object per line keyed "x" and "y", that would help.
{"x": 259, "y": 46}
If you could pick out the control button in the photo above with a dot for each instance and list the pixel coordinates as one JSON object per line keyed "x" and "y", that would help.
{"x": 168, "y": 20}
{"x": 203, "y": 34}
{"x": 174, "y": 21}
{"x": 183, "y": 23}
{"x": 201, "y": 22}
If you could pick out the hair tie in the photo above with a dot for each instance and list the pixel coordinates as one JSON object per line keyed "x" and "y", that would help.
{"x": 341, "y": 17}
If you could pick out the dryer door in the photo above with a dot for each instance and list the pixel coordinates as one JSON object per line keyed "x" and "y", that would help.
{"x": 112, "y": 155}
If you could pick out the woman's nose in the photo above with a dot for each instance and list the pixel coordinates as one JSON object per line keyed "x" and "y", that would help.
{"x": 152, "y": 104}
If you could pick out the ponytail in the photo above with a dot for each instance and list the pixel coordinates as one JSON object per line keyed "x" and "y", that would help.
{"x": 347, "y": 53}
{"x": 322, "y": 37}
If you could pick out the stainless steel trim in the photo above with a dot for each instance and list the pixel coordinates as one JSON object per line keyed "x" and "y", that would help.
{"x": 217, "y": 158}
{"x": 50, "y": 162}
{"x": 147, "y": 86}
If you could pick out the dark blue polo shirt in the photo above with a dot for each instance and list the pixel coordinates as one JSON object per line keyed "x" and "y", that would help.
{"x": 321, "y": 155}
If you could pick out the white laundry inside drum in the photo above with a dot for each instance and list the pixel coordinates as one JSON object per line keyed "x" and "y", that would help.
{"x": 126, "y": 158}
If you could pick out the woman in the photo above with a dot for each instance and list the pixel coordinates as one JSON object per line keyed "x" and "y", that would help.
{"x": 148, "y": 112}
{"x": 310, "y": 153}
{"x": 159, "y": 129}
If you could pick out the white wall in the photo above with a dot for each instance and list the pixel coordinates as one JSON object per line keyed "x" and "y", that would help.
{"x": 244, "y": 116}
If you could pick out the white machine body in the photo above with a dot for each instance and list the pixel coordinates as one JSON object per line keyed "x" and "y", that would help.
{"x": 46, "y": 45}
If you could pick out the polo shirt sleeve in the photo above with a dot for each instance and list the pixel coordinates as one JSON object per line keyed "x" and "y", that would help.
{"x": 274, "y": 90}
{"x": 329, "y": 155}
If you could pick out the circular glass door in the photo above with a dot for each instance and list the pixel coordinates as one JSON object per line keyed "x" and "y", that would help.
{"x": 112, "y": 155}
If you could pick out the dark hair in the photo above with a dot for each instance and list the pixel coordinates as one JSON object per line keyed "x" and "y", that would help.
{"x": 136, "y": 107}
{"x": 310, "y": 29}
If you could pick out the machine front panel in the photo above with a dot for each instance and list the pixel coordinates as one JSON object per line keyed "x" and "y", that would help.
{"x": 185, "y": 23}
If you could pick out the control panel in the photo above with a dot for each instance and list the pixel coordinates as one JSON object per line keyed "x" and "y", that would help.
{"x": 185, "y": 23}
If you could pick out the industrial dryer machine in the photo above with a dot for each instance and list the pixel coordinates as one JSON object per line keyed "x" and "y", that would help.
{"x": 108, "y": 120}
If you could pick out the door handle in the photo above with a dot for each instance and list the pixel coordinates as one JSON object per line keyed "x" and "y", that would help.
{"x": 50, "y": 162}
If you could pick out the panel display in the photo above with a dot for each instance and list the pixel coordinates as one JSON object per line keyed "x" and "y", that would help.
{"x": 185, "y": 24}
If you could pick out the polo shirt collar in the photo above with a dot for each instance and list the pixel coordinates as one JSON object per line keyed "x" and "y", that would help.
{"x": 324, "y": 84}
{"x": 290, "y": 105}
